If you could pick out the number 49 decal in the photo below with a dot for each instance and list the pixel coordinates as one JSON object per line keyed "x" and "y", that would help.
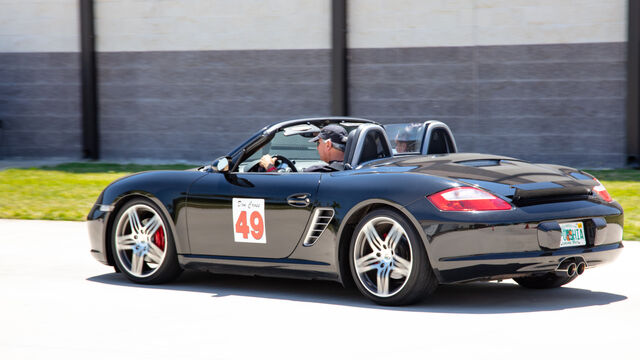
{"x": 248, "y": 221}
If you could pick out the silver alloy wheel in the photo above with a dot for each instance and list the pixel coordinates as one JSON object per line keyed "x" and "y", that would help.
{"x": 383, "y": 257}
{"x": 137, "y": 240}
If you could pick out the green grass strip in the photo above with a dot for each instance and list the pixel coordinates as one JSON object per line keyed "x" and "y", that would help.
{"x": 624, "y": 187}
{"x": 62, "y": 192}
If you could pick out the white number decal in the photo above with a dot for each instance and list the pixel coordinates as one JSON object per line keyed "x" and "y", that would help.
{"x": 248, "y": 221}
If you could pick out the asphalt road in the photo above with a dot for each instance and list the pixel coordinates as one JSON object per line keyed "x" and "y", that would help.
{"x": 56, "y": 302}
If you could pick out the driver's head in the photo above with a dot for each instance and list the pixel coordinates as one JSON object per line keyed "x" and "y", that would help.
{"x": 331, "y": 142}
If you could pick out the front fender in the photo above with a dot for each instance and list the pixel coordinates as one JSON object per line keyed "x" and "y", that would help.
{"x": 167, "y": 189}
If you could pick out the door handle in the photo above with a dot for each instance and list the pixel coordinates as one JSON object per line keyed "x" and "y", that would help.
{"x": 299, "y": 200}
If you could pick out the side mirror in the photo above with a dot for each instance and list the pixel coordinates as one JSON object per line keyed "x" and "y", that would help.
{"x": 222, "y": 164}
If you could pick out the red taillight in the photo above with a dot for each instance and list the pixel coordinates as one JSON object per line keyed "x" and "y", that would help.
{"x": 467, "y": 199}
{"x": 602, "y": 192}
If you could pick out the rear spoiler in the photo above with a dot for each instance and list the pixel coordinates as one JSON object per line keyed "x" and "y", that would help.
{"x": 549, "y": 195}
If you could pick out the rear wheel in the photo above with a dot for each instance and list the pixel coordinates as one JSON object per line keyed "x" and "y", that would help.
{"x": 142, "y": 243}
{"x": 544, "y": 281}
{"x": 388, "y": 260}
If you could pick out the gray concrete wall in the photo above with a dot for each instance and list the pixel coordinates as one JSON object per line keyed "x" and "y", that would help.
{"x": 201, "y": 104}
{"x": 561, "y": 103}
{"x": 177, "y": 79}
{"x": 541, "y": 80}
{"x": 191, "y": 79}
{"x": 40, "y": 105}
{"x": 419, "y": 23}
{"x": 39, "y": 79}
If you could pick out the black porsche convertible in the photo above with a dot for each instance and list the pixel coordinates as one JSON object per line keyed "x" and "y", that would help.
{"x": 407, "y": 213}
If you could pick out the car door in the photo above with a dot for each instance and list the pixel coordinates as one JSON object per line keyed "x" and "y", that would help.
{"x": 250, "y": 214}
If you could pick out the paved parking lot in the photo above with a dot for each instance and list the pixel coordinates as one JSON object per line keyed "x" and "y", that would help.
{"x": 57, "y": 302}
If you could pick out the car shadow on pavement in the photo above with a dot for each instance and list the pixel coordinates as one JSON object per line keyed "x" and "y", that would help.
{"x": 470, "y": 298}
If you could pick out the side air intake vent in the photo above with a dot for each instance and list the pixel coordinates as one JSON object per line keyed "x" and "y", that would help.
{"x": 321, "y": 218}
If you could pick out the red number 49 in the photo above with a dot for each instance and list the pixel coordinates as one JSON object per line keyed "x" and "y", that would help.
{"x": 255, "y": 221}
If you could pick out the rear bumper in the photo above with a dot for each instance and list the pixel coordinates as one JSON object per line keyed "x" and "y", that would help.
{"x": 498, "y": 245}
{"x": 510, "y": 265}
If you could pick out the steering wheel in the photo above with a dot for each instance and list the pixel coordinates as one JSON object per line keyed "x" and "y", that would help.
{"x": 279, "y": 160}
{"x": 282, "y": 159}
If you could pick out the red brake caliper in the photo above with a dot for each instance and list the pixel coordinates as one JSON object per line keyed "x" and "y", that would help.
{"x": 159, "y": 238}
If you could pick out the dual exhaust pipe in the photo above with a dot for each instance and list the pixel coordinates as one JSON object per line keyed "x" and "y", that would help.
{"x": 572, "y": 267}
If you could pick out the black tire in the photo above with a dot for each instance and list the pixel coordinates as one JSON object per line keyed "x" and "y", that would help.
{"x": 544, "y": 281}
{"x": 167, "y": 268}
{"x": 401, "y": 289}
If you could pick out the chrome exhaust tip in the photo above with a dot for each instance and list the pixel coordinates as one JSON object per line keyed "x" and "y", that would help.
{"x": 571, "y": 270}
{"x": 581, "y": 268}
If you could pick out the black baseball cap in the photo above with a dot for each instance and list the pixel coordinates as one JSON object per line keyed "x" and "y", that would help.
{"x": 336, "y": 133}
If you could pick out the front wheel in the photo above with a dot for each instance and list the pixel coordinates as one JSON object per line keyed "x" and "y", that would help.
{"x": 142, "y": 243}
{"x": 388, "y": 260}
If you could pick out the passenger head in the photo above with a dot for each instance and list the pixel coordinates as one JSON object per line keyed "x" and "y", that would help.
{"x": 407, "y": 139}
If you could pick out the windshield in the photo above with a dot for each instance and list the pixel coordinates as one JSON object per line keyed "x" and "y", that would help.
{"x": 295, "y": 146}
{"x": 405, "y": 138}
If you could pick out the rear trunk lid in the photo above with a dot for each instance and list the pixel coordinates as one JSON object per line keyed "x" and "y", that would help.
{"x": 523, "y": 182}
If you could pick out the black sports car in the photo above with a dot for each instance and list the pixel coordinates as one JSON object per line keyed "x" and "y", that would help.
{"x": 398, "y": 221}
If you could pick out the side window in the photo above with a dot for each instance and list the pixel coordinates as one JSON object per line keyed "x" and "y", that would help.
{"x": 440, "y": 142}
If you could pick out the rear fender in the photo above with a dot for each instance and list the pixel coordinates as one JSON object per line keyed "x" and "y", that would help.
{"x": 351, "y": 219}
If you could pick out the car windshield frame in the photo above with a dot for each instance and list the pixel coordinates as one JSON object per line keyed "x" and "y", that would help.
{"x": 262, "y": 138}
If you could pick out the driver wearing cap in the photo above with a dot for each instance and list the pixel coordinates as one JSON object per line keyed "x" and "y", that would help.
{"x": 331, "y": 142}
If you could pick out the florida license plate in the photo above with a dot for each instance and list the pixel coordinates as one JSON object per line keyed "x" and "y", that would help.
{"x": 572, "y": 234}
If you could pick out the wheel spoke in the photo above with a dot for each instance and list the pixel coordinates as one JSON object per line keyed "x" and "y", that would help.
{"x": 367, "y": 263}
{"x": 134, "y": 221}
{"x": 394, "y": 236}
{"x": 137, "y": 263}
{"x": 125, "y": 242}
{"x": 383, "y": 281}
{"x": 152, "y": 225}
{"x": 401, "y": 266}
{"x": 155, "y": 254}
{"x": 373, "y": 238}
{"x": 382, "y": 256}
{"x": 141, "y": 240}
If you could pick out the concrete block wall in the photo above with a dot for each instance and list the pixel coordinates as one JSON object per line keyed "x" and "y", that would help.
{"x": 540, "y": 80}
{"x": 192, "y": 79}
{"x": 39, "y": 79}
{"x": 201, "y": 104}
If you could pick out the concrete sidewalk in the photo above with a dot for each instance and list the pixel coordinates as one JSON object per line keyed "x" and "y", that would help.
{"x": 57, "y": 302}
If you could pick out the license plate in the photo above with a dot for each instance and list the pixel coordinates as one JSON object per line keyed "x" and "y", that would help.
{"x": 572, "y": 234}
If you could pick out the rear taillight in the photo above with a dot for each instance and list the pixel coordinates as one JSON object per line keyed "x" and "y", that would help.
{"x": 602, "y": 191}
{"x": 467, "y": 199}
